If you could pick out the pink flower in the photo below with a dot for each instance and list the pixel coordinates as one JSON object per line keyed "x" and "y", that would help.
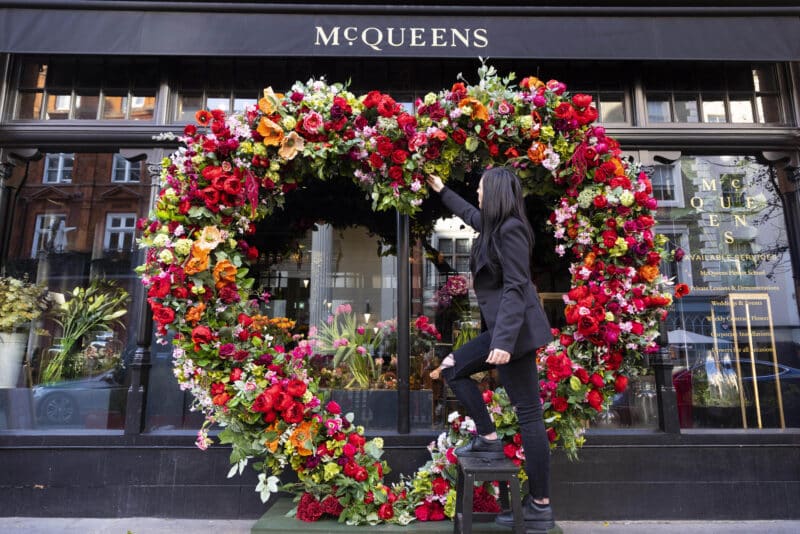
{"x": 312, "y": 122}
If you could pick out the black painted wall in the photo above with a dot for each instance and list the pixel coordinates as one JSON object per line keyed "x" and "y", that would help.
{"x": 642, "y": 476}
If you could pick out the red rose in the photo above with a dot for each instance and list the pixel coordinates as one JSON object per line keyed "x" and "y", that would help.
{"x": 597, "y": 380}
{"x": 232, "y": 186}
{"x": 621, "y": 384}
{"x": 609, "y": 238}
{"x": 450, "y": 455}
{"x": 582, "y": 375}
{"x": 372, "y": 99}
{"x": 387, "y": 107}
{"x": 333, "y": 407}
{"x": 435, "y": 512}
{"x": 375, "y": 160}
{"x": 385, "y": 147}
{"x": 180, "y": 292}
{"x": 581, "y": 100}
{"x": 595, "y": 399}
{"x": 433, "y": 151}
{"x": 551, "y": 434}
{"x": 600, "y": 201}
{"x": 369, "y": 498}
{"x": 396, "y": 173}
{"x": 421, "y": 513}
{"x": 559, "y": 404}
{"x": 201, "y": 335}
{"x": 459, "y": 136}
{"x": 587, "y": 325}
{"x": 386, "y": 511}
{"x": 566, "y": 340}
{"x": 210, "y": 196}
{"x": 440, "y": 486}
{"x": 399, "y": 156}
{"x": 357, "y": 439}
{"x": 296, "y": 388}
{"x": 294, "y": 414}
{"x": 564, "y": 111}
{"x": 160, "y": 288}
{"x": 190, "y": 130}
{"x": 510, "y": 450}
{"x": 487, "y": 396}
{"x": 637, "y": 328}
{"x": 361, "y": 474}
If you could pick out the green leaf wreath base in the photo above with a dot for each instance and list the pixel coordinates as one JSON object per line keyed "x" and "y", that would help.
{"x": 254, "y": 380}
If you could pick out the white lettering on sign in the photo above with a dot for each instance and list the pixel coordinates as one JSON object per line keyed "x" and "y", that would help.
{"x": 379, "y": 38}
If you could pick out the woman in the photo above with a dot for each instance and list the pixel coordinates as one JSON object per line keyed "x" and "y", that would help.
{"x": 516, "y": 326}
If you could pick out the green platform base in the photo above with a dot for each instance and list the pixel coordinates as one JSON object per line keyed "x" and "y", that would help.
{"x": 275, "y": 521}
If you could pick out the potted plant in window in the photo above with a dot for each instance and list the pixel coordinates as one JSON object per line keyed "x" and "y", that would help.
{"x": 21, "y": 302}
{"x": 89, "y": 310}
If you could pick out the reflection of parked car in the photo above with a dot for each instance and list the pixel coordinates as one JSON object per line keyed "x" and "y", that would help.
{"x": 97, "y": 401}
{"x": 708, "y": 410}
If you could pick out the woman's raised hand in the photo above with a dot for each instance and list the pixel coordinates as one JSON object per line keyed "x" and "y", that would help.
{"x": 435, "y": 182}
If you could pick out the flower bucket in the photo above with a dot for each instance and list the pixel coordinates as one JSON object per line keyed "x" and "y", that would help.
{"x": 12, "y": 350}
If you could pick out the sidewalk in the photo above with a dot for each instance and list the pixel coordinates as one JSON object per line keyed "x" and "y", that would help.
{"x": 149, "y": 525}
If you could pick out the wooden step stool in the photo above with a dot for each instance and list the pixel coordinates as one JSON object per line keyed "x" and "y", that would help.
{"x": 476, "y": 469}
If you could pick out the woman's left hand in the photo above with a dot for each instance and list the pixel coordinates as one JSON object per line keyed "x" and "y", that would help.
{"x": 498, "y": 357}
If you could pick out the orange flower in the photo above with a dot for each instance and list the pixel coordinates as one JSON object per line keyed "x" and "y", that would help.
{"x": 260, "y": 321}
{"x": 203, "y": 117}
{"x": 269, "y": 103}
{"x": 536, "y": 153}
{"x": 195, "y": 313}
{"x": 531, "y": 82}
{"x": 572, "y": 232}
{"x": 479, "y": 111}
{"x": 273, "y": 444}
{"x": 198, "y": 261}
{"x": 290, "y": 146}
{"x": 619, "y": 170}
{"x": 303, "y": 438}
{"x": 224, "y": 273}
{"x": 271, "y": 132}
{"x": 209, "y": 238}
{"x": 648, "y": 272}
{"x": 588, "y": 261}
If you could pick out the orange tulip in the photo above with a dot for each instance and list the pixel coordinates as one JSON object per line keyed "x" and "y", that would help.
{"x": 271, "y": 132}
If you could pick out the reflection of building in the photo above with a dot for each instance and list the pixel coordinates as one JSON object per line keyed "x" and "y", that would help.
{"x": 678, "y": 88}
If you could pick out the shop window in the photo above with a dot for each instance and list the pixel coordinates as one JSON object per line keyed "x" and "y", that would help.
{"x": 125, "y": 171}
{"x": 741, "y": 314}
{"x": 58, "y": 168}
{"x": 86, "y": 89}
{"x": 120, "y": 231}
{"x": 730, "y": 93}
{"x": 63, "y": 384}
{"x": 47, "y": 234}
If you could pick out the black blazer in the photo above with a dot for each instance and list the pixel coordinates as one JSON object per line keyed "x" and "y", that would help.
{"x": 508, "y": 300}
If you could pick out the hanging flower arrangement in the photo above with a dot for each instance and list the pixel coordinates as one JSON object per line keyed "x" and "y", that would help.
{"x": 232, "y": 170}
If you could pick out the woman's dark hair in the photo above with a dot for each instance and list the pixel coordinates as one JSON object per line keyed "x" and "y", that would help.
{"x": 502, "y": 199}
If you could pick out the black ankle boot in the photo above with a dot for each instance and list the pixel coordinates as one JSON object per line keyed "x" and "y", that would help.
{"x": 537, "y": 516}
{"x": 482, "y": 447}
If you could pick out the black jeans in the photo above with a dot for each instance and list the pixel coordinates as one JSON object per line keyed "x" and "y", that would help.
{"x": 520, "y": 379}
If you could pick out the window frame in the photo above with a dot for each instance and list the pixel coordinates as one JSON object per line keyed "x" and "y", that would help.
{"x": 109, "y": 230}
{"x": 60, "y": 170}
{"x": 39, "y": 230}
{"x": 127, "y": 167}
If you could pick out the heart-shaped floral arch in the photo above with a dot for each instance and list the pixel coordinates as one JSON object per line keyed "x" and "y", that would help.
{"x": 236, "y": 169}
